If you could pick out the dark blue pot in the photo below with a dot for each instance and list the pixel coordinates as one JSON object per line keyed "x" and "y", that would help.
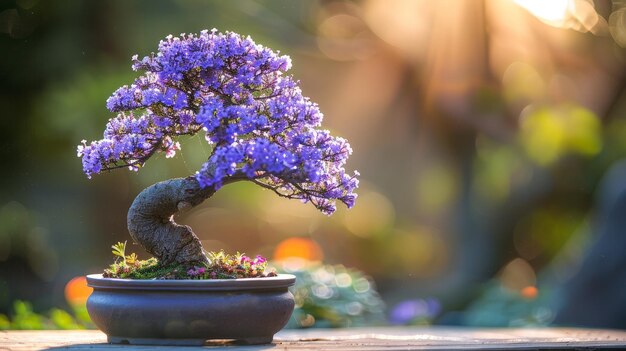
{"x": 190, "y": 312}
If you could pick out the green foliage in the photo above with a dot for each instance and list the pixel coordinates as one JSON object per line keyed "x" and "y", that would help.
{"x": 502, "y": 307}
{"x": 333, "y": 296}
{"x": 5, "y": 323}
{"x": 24, "y": 318}
{"x": 221, "y": 266}
{"x": 82, "y": 316}
{"x": 140, "y": 269}
{"x": 64, "y": 320}
{"x": 549, "y": 132}
{"x": 23, "y": 237}
{"x": 119, "y": 250}
{"x": 228, "y": 266}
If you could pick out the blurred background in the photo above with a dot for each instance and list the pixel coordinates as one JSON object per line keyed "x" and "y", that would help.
{"x": 490, "y": 135}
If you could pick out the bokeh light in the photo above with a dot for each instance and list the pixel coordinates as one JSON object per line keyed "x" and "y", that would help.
{"x": 297, "y": 247}
{"x": 530, "y": 292}
{"x": 77, "y": 291}
{"x": 572, "y": 14}
{"x": 554, "y": 12}
{"x": 373, "y": 214}
{"x": 550, "y": 132}
{"x": 517, "y": 275}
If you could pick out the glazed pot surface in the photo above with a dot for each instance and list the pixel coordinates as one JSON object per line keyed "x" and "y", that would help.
{"x": 189, "y": 312}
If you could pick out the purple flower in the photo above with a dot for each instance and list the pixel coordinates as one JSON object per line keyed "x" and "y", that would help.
{"x": 259, "y": 259}
{"x": 409, "y": 311}
{"x": 254, "y": 116}
{"x": 196, "y": 271}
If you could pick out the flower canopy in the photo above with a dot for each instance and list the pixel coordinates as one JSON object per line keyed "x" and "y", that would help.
{"x": 255, "y": 119}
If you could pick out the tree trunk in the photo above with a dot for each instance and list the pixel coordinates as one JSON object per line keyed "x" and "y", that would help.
{"x": 151, "y": 220}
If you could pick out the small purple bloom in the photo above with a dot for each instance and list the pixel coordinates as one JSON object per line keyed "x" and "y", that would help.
{"x": 409, "y": 311}
{"x": 196, "y": 271}
{"x": 259, "y": 259}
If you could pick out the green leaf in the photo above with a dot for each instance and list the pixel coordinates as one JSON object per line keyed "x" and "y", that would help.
{"x": 119, "y": 249}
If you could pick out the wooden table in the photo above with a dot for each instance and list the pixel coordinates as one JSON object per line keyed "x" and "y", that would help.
{"x": 414, "y": 338}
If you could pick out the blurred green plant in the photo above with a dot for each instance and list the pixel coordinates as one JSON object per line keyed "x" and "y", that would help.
{"x": 499, "y": 306}
{"x": 24, "y": 318}
{"x": 551, "y": 131}
{"x": 23, "y": 235}
{"x": 332, "y": 296}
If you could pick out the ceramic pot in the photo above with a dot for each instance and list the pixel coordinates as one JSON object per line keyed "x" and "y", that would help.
{"x": 190, "y": 312}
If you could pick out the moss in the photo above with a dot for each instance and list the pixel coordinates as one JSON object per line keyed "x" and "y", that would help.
{"x": 146, "y": 269}
{"x": 221, "y": 266}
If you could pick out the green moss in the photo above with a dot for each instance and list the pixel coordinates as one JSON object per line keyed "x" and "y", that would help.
{"x": 146, "y": 269}
{"x": 221, "y": 266}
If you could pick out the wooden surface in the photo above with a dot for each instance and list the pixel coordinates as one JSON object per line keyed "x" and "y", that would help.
{"x": 351, "y": 339}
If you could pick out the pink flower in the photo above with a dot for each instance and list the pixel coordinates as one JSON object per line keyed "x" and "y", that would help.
{"x": 196, "y": 271}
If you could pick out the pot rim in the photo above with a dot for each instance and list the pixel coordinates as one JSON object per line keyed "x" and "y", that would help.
{"x": 281, "y": 281}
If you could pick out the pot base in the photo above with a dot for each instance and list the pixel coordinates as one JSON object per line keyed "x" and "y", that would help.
{"x": 245, "y": 311}
{"x": 187, "y": 342}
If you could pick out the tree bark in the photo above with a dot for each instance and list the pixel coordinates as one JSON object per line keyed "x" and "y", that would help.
{"x": 151, "y": 220}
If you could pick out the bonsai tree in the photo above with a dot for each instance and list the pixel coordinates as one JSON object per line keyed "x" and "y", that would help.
{"x": 258, "y": 125}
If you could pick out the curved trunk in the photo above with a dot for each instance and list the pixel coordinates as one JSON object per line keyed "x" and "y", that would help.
{"x": 151, "y": 220}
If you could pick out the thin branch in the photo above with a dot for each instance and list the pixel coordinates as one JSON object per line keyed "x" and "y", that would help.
{"x": 274, "y": 189}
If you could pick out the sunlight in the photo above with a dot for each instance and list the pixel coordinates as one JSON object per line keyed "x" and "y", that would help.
{"x": 553, "y": 12}
{"x": 299, "y": 247}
